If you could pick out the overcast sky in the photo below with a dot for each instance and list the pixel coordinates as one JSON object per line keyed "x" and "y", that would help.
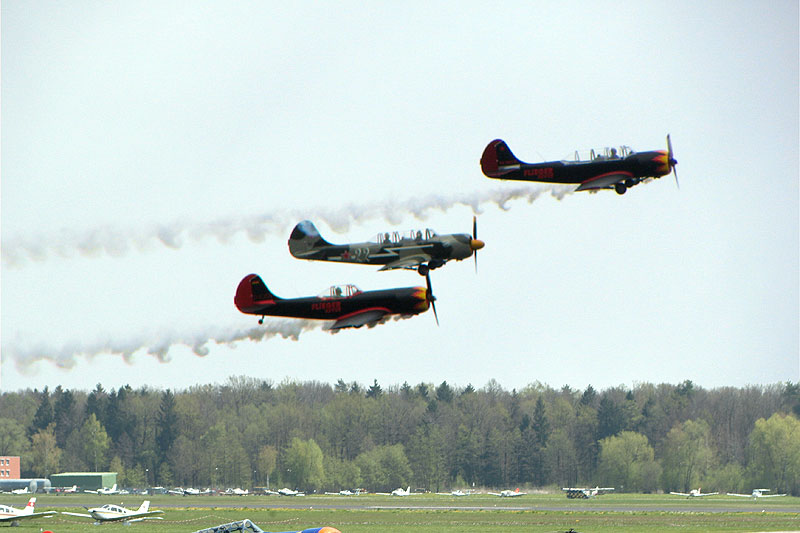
{"x": 154, "y": 153}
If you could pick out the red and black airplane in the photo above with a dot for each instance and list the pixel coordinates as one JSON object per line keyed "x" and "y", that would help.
{"x": 609, "y": 170}
{"x": 347, "y": 305}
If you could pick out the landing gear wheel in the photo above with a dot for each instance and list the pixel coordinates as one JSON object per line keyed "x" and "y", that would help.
{"x": 423, "y": 270}
{"x": 620, "y": 188}
{"x": 261, "y": 321}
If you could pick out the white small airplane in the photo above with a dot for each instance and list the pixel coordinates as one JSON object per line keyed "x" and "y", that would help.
{"x": 456, "y": 492}
{"x": 189, "y": 491}
{"x": 508, "y": 493}
{"x": 289, "y": 492}
{"x": 24, "y": 490}
{"x": 235, "y": 492}
{"x": 583, "y": 492}
{"x": 694, "y": 493}
{"x": 14, "y": 515}
{"x": 116, "y": 513}
{"x": 68, "y": 490}
{"x": 344, "y": 492}
{"x": 757, "y": 493}
{"x": 104, "y": 491}
{"x": 401, "y": 492}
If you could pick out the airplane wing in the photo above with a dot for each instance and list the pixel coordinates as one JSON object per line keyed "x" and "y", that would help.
{"x": 604, "y": 181}
{"x": 26, "y": 516}
{"x": 680, "y": 494}
{"x": 136, "y": 517}
{"x": 407, "y": 262}
{"x": 740, "y": 495}
{"x": 771, "y": 495}
{"x": 84, "y": 515}
{"x": 359, "y": 319}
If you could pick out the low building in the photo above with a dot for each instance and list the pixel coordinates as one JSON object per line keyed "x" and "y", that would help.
{"x": 85, "y": 480}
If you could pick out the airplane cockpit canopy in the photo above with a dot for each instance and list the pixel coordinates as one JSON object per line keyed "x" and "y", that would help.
{"x": 339, "y": 291}
{"x": 395, "y": 237}
{"x": 606, "y": 154}
{"x": 113, "y": 508}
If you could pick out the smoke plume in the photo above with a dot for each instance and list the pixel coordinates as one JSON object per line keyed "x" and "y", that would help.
{"x": 117, "y": 242}
{"x": 157, "y": 344}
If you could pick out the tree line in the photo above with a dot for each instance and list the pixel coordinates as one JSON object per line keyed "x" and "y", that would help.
{"x": 316, "y": 436}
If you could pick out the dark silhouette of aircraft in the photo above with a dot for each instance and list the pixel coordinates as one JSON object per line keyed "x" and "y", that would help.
{"x": 415, "y": 250}
{"x": 618, "y": 170}
{"x": 347, "y": 305}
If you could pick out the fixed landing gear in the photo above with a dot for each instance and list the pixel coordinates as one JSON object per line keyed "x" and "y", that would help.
{"x": 620, "y": 188}
{"x": 261, "y": 321}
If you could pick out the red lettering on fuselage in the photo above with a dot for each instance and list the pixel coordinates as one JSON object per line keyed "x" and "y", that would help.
{"x": 327, "y": 307}
{"x": 540, "y": 173}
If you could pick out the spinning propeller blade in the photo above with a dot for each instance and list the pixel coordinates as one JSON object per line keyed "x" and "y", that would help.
{"x": 475, "y": 244}
{"x": 431, "y": 297}
{"x": 672, "y": 161}
{"x": 475, "y": 238}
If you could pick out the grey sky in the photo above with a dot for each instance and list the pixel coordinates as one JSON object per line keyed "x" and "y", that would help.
{"x": 144, "y": 144}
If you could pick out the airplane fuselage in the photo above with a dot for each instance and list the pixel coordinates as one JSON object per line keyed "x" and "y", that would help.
{"x": 400, "y": 301}
{"x": 638, "y": 166}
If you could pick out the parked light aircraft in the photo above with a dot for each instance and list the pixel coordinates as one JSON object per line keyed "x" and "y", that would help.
{"x": 289, "y": 492}
{"x": 456, "y": 492}
{"x": 247, "y": 526}
{"x": 344, "y": 492}
{"x": 67, "y": 490}
{"x": 508, "y": 493}
{"x": 757, "y": 493}
{"x": 116, "y": 513}
{"x": 189, "y": 491}
{"x": 14, "y": 515}
{"x": 235, "y": 492}
{"x": 104, "y": 491}
{"x": 401, "y": 492}
{"x": 694, "y": 493}
{"x": 583, "y": 492}
{"x": 414, "y": 250}
{"x": 610, "y": 170}
{"x": 347, "y": 305}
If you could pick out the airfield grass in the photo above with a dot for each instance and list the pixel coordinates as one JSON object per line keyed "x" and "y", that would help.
{"x": 434, "y": 514}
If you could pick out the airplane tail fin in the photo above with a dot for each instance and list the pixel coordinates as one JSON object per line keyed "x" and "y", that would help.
{"x": 252, "y": 294}
{"x": 304, "y": 238}
{"x": 144, "y": 507}
{"x": 497, "y": 159}
{"x": 29, "y": 507}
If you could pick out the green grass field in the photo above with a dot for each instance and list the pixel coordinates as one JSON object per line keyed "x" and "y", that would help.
{"x": 431, "y": 513}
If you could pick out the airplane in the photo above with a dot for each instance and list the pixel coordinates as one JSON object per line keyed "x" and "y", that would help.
{"x": 609, "y": 170}
{"x": 348, "y": 306}
{"x": 413, "y": 250}
{"x": 584, "y": 493}
{"x": 235, "y": 492}
{"x": 288, "y": 492}
{"x": 67, "y": 490}
{"x": 190, "y": 491}
{"x": 116, "y": 513}
{"x": 694, "y": 493}
{"x": 23, "y": 490}
{"x": 14, "y": 515}
{"x": 344, "y": 492}
{"x": 456, "y": 492}
{"x": 249, "y": 526}
{"x": 104, "y": 491}
{"x": 508, "y": 493}
{"x": 401, "y": 492}
{"x": 757, "y": 493}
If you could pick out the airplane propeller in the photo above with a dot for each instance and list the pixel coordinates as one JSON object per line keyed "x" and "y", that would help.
{"x": 672, "y": 161}
{"x": 475, "y": 243}
{"x": 431, "y": 297}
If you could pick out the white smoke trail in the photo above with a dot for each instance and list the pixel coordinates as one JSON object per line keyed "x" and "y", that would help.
{"x": 116, "y": 242}
{"x": 156, "y": 344}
